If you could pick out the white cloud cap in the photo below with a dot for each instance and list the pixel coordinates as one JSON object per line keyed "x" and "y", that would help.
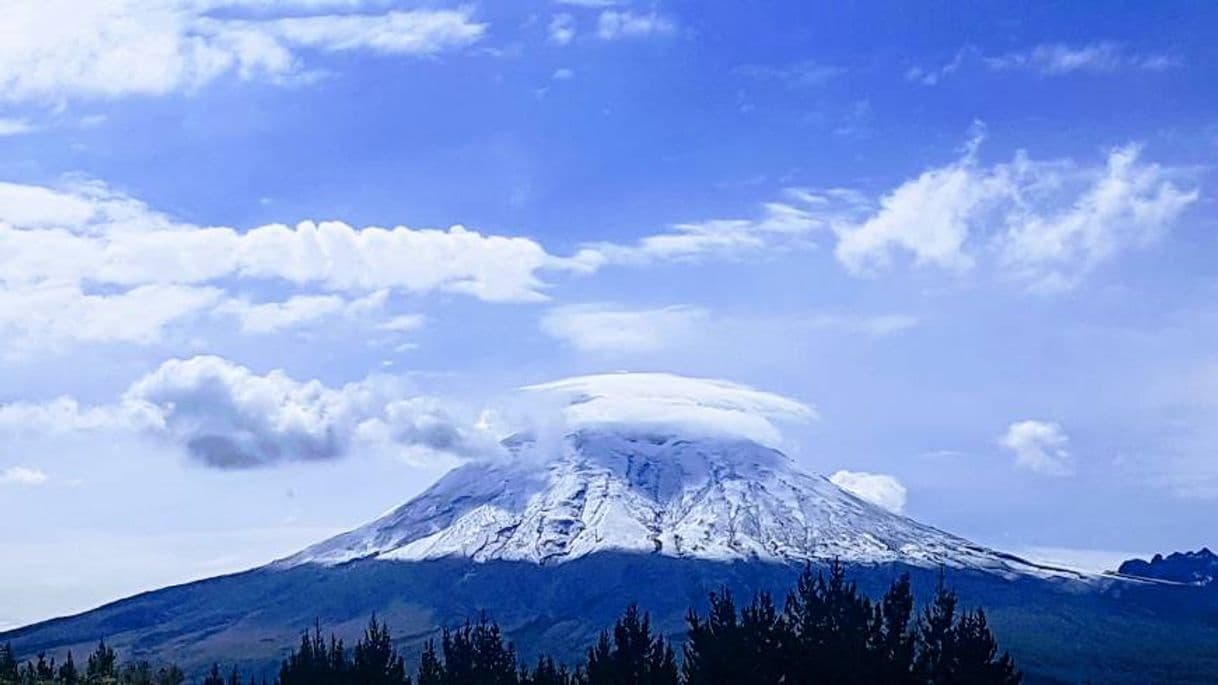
{"x": 699, "y": 406}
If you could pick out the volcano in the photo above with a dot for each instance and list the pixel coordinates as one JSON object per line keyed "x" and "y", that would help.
{"x": 553, "y": 537}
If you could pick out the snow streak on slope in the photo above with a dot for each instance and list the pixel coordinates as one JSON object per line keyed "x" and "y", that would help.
{"x": 651, "y": 493}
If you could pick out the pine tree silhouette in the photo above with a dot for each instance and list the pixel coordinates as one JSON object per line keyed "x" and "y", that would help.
{"x": 547, "y": 672}
{"x": 431, "y": 671}
{"x": 977, "y": 653}
{"x": 213, "y": 676}
{"x": 8, "y": 664}
{"x": 762, "y": 634}
{"x": 827, "y": 629}
{"x": 636, "y": 657}
{"x": 100, "y": 667}
{"x": 376, "y": 661}
{"x": 714, "y": 648}
{"x": 893, "y": 642}
{"x": 935, "y": 662}
{"x": 477, "y": 654}
{"x": 67, "y": 674}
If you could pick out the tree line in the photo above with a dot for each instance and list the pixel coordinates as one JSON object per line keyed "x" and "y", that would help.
{"x": 826, "y": 632}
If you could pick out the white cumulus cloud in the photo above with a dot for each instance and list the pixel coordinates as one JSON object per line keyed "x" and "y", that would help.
{"x": 227, "y": 416}
{"x": 1039, "y": 446}
{"x": 1048, "y": 224}
{"x": 224, "y": 415}
{"x": 878, "y": 488}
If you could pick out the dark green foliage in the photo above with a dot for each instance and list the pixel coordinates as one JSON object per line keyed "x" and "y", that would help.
{"x": 67, "y": 674}
{"x": 548, "y": 673}
{"x": 477, "y": 654}
{"x": 431, "y": 670}
{"x": 101, "y": 665}
{"x": 376, "y": 661}
{"x": 958, "y": 649}
{"x": 828, "y": 632}
{"x": 715, "y": 647}
{"x": 8, "y": 664}
{"x": 634, "y": 657}
{"x": 977, "y": 653}
{"x": 316, "y": 661}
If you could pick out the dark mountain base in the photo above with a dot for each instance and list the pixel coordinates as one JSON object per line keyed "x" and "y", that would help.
{"x": 1058, "y": 631}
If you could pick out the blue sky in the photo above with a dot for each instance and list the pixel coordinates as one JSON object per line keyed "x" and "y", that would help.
{"x": 978, "y": 241}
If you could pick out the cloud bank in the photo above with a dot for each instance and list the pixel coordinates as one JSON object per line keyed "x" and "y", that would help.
{"x": 84, "y": 263}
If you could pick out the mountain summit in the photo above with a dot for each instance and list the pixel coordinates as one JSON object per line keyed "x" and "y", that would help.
{"x": 646, "y": 492}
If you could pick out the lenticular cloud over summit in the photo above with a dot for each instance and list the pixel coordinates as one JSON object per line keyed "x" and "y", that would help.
{"x": 668, "y": 402}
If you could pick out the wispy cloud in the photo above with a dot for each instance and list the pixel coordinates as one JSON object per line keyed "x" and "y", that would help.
{"x": 790, "y": 220}
{"x": 561, "y": 28}
{"x": 619, "y": 24}
{"x": 1058, "y": 58}
{"x": 57, "y": 50}
{"x": 805, "y": 74}
{"x": 299, "y": 310}
{"x": 15, "y": 127}
{"x": 22, "y": 475}
{"x": 607, "y": 328}
{"x": 1048, "y": 59}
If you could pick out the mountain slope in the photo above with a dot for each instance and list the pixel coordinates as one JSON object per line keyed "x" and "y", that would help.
{"x": 649, "y": 493}
{"x": 555, "y": 539}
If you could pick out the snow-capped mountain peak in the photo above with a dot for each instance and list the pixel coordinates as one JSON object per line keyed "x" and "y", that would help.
{"x": 649, "y": 492}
